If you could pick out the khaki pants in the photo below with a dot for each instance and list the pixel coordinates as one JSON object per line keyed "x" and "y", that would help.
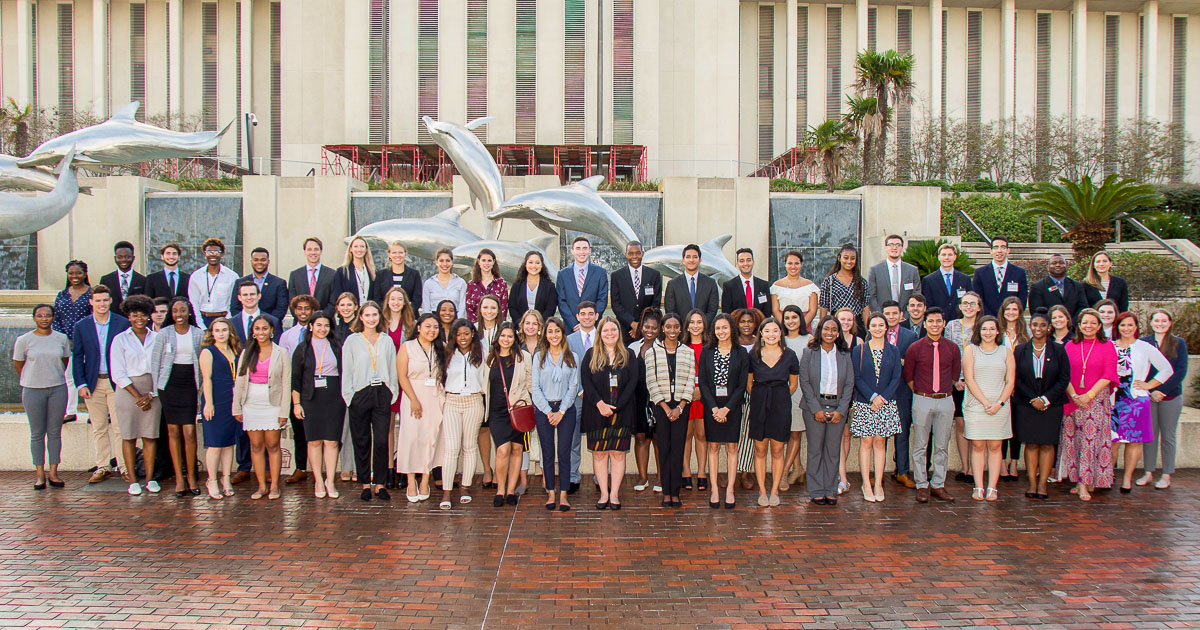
{"x": 102, "y": 413}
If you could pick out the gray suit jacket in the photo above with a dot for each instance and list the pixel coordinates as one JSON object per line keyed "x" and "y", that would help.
{"x": 879, "y": 285}
{"x": 810, "y": 381}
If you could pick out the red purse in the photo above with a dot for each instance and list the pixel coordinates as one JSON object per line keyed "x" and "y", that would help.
{"x": 521, "y": 414}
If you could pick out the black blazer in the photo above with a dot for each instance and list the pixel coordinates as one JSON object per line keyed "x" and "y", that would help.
{"x": 298, "y": 285}
{"x": 629, "y": 301}
{"x": 545, "y": 301}
{"x": 137, "y": 286}
{"x": 410, "y": 281}
{"x": 933, "y": 287}
{"x": 1118, "y": 291}
{"x": 273, "y": 300}
{"x": 1044, "y": 293}
{"x": 1056, "y": 375}
{"x": 679, "y": 298}
{"x": 984, "y": 282}
{"x": 304, "y": 367}
{"x": 157, "y": 286}
{"x": 240, "y": 330}
{"x": 733, "y": 295}
{"x": 345, "y": 282}
{"x": 595, "y": 389}
{"x": 739, "y": 369}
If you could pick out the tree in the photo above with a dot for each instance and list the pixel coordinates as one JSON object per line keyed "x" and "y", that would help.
{"x": 831, "y": 142}
{"x": 18, "y": 117}
{"x": 864, "y": 119}
{"x": 1089, "y": 210}
{"x": 888, "y": 77}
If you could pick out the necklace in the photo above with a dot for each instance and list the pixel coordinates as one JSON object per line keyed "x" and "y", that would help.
{"x": 1083, "y": 375}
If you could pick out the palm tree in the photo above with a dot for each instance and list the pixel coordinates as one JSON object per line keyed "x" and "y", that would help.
{"x": 1090, "y": 210}
{"x": 863, "y": 118}
{"x": 19, "y": 118}
{"x": 829, "y": 142}
{"x": 888, "y": 77}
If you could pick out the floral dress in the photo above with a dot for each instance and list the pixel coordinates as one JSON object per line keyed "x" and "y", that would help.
{"x": 1131, "y": 414}
{"x": 868, "y": 422}
{"x": 475, "y": 292}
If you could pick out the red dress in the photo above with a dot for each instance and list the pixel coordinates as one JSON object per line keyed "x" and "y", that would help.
{"x": 397, "y": 339}
{"x": 696, "y": 409}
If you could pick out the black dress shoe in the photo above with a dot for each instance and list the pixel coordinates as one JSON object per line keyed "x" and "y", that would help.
{"x": 729, "y": 505}
{"x": 498, "y": 500}
{"x": 963, "y": 477}
{"x": 666, "y": 503}
{"x": 179, "y": 494}
{"x": 1030, "y": 495}
{"x": 550, "y": 506}
{"x": 564, "y": 508}
{"x": 1126, "y": 490}
{"x": 511, "y": 499}
{"x": 702, "y": 483}
{"x": 602, "y": 505}
{"x": 39, "y": 486}
{"x": 383, "y": 494}
{"x": 56, "y": 484}
{"x": 573, "y": 488}
{"x": 687, "y": 483}
{"x": 818, "y": 501}
{"x": 676, "y": 503}
{"x": 614, "y": 506}
{"x": 1043, "y": 496}
{"x": 194, "y": 491}
{"x": 830, "y": 500}
{"x": 366, "y": 494}
{"x": 714, "y": 504}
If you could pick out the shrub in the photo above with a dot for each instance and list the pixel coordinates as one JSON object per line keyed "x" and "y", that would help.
{"x": 923, "y": 255}
{"x": 996, "y": 216}
{"x": 780, "y": 184}
{"x": 1035, "y": 270}
{"x": 1150, "y": 276}
{"x": 395, "y": 185}
{"x": 1165, "y": 224}
{"x": 1182, "y": 198}
{"x": 849, "y": 184}
{"x": 193, "y": 183}
{"x": 984, "y": 184}
{"x": 628, "y": 185}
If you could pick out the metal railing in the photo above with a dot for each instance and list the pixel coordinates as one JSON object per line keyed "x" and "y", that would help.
{"x": 1154, "y": 237}
{"x": 959, "y": 215}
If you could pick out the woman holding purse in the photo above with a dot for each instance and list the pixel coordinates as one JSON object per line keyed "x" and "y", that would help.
{"x": 509, "y": 409}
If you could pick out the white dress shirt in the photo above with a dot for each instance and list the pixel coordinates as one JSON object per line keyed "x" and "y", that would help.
{"x": 131, "y": 357}
{"x": 210, "y": 294}
{"x": 829, "y": 372}
{"x": 462, "y": 377}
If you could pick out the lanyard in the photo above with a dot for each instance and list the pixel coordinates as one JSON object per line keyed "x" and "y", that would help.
{"x": 212, "y": 285}
{"x": 428, "y": 357}
{"x": 1085, "y": 361}
{"x": 373, "y": 352}
{"x": 232, "y": 369}
{"x": 321, "y": 357}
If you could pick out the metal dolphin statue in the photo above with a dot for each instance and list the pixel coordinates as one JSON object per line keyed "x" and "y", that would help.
{"x": 510, "y": 255}
{"x": 473, "y": 162}
{"x": 123, "y": 140}
{"x": 575, "y": 207}
{"x": 21, "y": 215}
{"x": 13, "y": 177}
{"x": 422, "y": 237}
{"x": 668, "y": 259}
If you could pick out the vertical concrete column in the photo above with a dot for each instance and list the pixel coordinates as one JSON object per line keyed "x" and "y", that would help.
{"x": 247, "y": 63}
{"x": 1079, "y": 60}
{"x": 175, "y": 57}
{"x": 24, "y": 52}
{"x": 935, "y": 58}
{"x": 860, "y": 18}
{"x": 1150, "y": 60}
{"x": 100, "y": 57}
{"x": 791, "y": 24}
{"x": 1008, "y": 61}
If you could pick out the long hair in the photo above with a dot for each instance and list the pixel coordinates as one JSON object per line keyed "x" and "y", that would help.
{"x": 792, "y": 308}
{"x": 358, "y": 327}
{"x": 977, "y": 336}
{"x": 514, "y": 353}
{"x": 727, "y": 318}
{"x": 1089, "y": 312}
{"x": 307, "y": 346}
{"x": 235, "y": 346}
{"x": 250, "y": 354}
{"x": 406, "y": 312}
{"x": 477, "y": 273}
{"x": 521, "y": 326}
{"x": 853, "y": 320}
{"x": 474, "y": 357}
{"x": 856, "y": 282}
{"x": 523, "y": 274}
{"x": 1057, "y": 308}
{"x": 1093, "y": 277}
{"x": 1022, "y": 329}
{"x": 685, "y": 336}
{"x": 368, "y": 260}
{"x": 483, "y": 330}
{"x": 346, "y": 296}
{"x": 1137, "y": 328}
{"x": 1169, "y": 347}
{"x": 563, "y": 347}
{"x": 600, "y": 361}
{"x": 182, "y": 300}
{"x": 839, "y": 343}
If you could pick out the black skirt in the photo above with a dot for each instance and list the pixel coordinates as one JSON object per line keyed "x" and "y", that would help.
{"x": 724, "y": 432}
{"x": 179, "y": 397}
{"x": 325, "y": 412}
{"x": 499, "y": 423}
{"x": 770, "y": 412}
{"x": 1031, "y": 426}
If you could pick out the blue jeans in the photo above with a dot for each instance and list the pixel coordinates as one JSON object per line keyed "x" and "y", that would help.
{"x": 566, "y": 431}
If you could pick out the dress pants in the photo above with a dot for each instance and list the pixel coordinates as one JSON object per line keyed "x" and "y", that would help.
{"x": 556, "y": 454}
{"x": 45, "y": 423}
{"x": 163, "y": 466}
{"x": 824, "y": 452}
{"x": 904, "y": 400}
{"x": 936, "y": 415}
{"x": 462, "y": 416}
{"x": 72, "y": 404}
{"x": 241, "y": 452}
{"x": 370, "y": 414}
{"x": 102, "y": 414}
{"x": 300, "y": 441}
{"x": 577, "y": 443}
{"x": 671, "y": 437}
{"x": 1165, "y": 418}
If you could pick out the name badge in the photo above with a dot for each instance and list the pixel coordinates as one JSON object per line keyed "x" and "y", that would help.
{"x": 612, "y": 380}
{"x": 1053, "y": 287}
{"x": 722, "y": 391}
{"x": 430, "y": 382}
{"x": 1012, "y": 286}
{"x": 376, "y": 381}
{"x": 762, "y": 299}
{"x": 320, "y": 382}
{"x": 908, "y": 286}
{"x": 962, "y": 292}
{"x": 649, "y": 291}
{"x": 396, "y": 278}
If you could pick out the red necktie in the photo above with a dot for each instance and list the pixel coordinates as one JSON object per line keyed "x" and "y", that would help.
{"x": 312, "y": 281}
{"x": 749, "y": 296}
{"x": 937, "y": 369}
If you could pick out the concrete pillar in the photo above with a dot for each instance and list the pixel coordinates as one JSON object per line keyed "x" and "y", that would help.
{"x": 791, "y": 115}
{"x": 175, "y": 57}
{"x": 100, "y": 103}
{"x": 860, "y": 17}
{"x": 935, "y": 58}
{"x": 1008, "y": 61}
{"x": 1150, "y": 60}
{"x": 1079, "y": 60}
{"x": 24, "y": 52}
{"x": 247, "y": 62}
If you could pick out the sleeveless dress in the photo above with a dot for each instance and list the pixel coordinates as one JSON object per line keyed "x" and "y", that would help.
{"x": 397, "y": 339}
{"x": 223, "y": 429}
{"x": 798, "y": 297}
{"x": 419, "y": 445}
{"x": 990, "y": 371}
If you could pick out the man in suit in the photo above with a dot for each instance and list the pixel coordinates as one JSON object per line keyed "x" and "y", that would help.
{"x": 634, "y": 289}
{"x": 892, "y": 279}
{"x": 313, "y": 278}
{"x": 1000, "y": 279}
{"x": 945, "y": 287}
{"x": 1057, "y": 288}
{"x": 746, "y": 290}
{"x": 249, "y": 300}
{"x": 902, "y": 338}
{"x": 272, "y": 290}
{"x": 692, "y": 289}
{"x": 124, "y": 282}
{"x": 914, "y": 318}
{"x": 93, "y": 336}
{"x": 580, "y": 282}
{"x": 169, "y": 282}
{"x": 580, "y": 342}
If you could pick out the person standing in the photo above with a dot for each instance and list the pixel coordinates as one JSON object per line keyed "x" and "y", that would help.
{"x": 39, "y": 359}
{"x": 532, "y": 290}
{"x": 644, "y": 434}
{"x": 960, "y": 332}
{"x": 915, "y": 320}
{"x": 420, "y": 375}
{"x": 317, "y": 401}
{"x": 931, "y": 366}
{"x": 71, "y": 305}
{"x": 1043, "y": 373}
{"x": 555, "y": 388}
{"x": 400, "y": 321}
{"x": 794, "y": 290}
{"x": 580, "y": 282}
{"x": 795, "y": 337}
{"x": 357, "y": 273}
{"x": 902, "y": 338}
{"x": 177, "y": 383}
{"x": 398, "y": 274}
{"x": 946, "y": 285}
{"x": 1085, "y": 449}
{"x": 692, "y": 289}
{"x": 211, "y": 287}
{"x": 724, "y": 370}
{"x": 369, "y": 387}
{"x": 695, "y": 335}
{"x": 580, "y": 341}
{"x": 485, "y": 280}
{"x": 1166, "y": 400}
{"x": 124, "y": 281}
{"x": 1100, "y": 284}
{"x": 272, "y": 290}
{"x": 892, "y": 279}
{"x": 746, "y": 290}
{"x": 314, "y": 278}
{"x": 990, "y": 375}
{"x": 772, "y": 380}
{"x": 444, "y": 285}
{"x": 304, "y": 308}
{"x": 999, "y": 279}
{"x": 635, "y": 288}
{"x": 1057, "y": 289}
{"x": 1133, "y": 424}
{"x": 1061, "y": 325}
{"x": 261, "y": 400}
{"x": 609, "y": 378}
{"x": 508, "y": 373}
{"x": 670, "y": 379}
{"x": 218, "y": 371}
{"x": 845, "y": 288}
{"x": 249, "y": 297}
{"x": 876, "y": 416}
{"x": 464, "y": 381}
{"x": 827, "y": 380}
{"x": 168, "y": 282}
{"x": 92, "y": 340}
{"x": 137, "y": 406}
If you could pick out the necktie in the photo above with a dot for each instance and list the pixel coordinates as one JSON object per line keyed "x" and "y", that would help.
{"x": 895, "y": 281}
{"x": 587, "y": 341}
{"x": 312, "y": 281}
{"x": 124, "y": 284}
{"x": 171, "y": 276}
{"x": 937, "y": 369}
{"x": 692, "y": 289}
{"x": 749, "y": 296}
{"x": 582, "y": 277}
{"x": 949, "y": 286}
{"x": 1000, "y": 279}
{"x": 637, "y": 281}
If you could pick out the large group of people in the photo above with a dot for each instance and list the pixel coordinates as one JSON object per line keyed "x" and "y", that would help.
{"x": 390, "y": 381}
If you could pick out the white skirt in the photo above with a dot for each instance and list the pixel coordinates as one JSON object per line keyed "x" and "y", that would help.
{"x": 258, "y": 414}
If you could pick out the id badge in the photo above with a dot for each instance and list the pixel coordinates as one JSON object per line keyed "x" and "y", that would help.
{"x": 962, "y": 292}
{"x": 762, "y": 299}
{"x": 649, "y": 291}
{"x": 908, "y": 286}
{"x": 430, "y": 382}
{"x": 722, "y": 391}
{"x": 320, "y": 382}
{"x": 1012, "y": 286}
{"x": 396, "y": 278}
{"x": 612, "y": 380}
{"x": 1053, "y": 287}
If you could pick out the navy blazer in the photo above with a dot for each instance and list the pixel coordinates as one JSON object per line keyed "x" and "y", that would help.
{"x": 273, "y": 300}
{"x": 985, "y": 285}
{"x": 595, "y": 289}
{"x": 85, "y": 352}
{"x": 933, "y": 287}
{"x": 905, "y": 338}
{"x": 1044, "y": 293}
{"x": 866, "y": 384}
{"x": 240, "y": 330}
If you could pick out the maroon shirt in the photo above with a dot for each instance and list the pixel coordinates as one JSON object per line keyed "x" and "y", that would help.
{"x": 918, "y": 365}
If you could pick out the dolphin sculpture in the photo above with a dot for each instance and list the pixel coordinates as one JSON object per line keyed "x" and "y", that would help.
{"x": 668, "y": 259}
{"x": 422, "y": 237}
{"x": 21, "y": 215}
{"x": 575, "y": 207}
{"x": 13, "y": 177}
{"x": 473, "y": 162}
{"x": 510, "y": 255}
{"x": 122, "y": 140}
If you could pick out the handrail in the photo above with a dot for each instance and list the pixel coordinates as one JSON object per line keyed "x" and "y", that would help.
{"x": 1056, "y": 223}
{"x": 958, "y": 225}
{"x": 1148, "y": 232}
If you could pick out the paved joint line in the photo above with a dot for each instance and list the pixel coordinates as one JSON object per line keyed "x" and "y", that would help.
{"x": 496, "y": 579}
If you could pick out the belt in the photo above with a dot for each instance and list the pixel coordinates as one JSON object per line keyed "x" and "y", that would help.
{"x": 829, "y": 396}
{"x": 934, "y": 396}
{"x": 217, "y": 314}
{"x": 459, "y": 394}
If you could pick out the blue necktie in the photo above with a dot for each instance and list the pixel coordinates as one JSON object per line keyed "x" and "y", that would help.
{"x": 692, "y": 289}
{"x": 949, "y": 286}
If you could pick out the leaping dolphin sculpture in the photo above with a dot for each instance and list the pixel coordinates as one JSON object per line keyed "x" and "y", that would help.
{"x": 473, "y": 162}
{"x": 422, "y": 237}
{"x": 510, "y": 255}
{"x": 123, "y": 140}
{"x": 21, "y": 215}
{"x": 13, "y": 177}
{"x": 668, "y": 259}
{"x": 572, "y": 207}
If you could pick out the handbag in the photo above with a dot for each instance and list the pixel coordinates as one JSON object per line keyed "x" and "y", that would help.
{"x": 521, "y": 414}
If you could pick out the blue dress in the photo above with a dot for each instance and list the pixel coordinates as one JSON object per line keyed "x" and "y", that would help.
{"x": 223, "y": 429}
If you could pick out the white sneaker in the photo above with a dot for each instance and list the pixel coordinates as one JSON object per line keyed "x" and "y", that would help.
{"x": 1163, "y": 483}
{"x": 153, "y": 487}
{"x": 1144, "y": 479}
{"x": 658, "y": 489}
{"x": 135, "y": 489}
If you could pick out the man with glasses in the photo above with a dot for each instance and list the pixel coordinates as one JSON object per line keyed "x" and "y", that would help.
{"x": 892, "y": 279}
{"x": 946, "y": 285}
{"x": 1000, "y": 279}
{"x": 210, "y": 288}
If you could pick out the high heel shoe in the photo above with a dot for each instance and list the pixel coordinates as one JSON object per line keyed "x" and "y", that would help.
{"x": 56, "y": 484}
{"x": 1125, "y": 490}
{"x": 714, "y": 504}
{"x": 868, "y": 494}
{"x": 226, "y": 486}
{"x": 992, "y": 494}
{"x": 214, "y": 491}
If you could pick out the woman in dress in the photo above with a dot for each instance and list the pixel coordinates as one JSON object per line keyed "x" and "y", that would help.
{"x": 137, "y": 406}
{"x": 748, "y": 320}
{"x": 794, "y": 290}
{"x": 1014, "y": 332}
{"x": 1085, "y": 449}
{"x": 262, "y": 397}
{"x": 827, "y": 378}
{"x": 72, "y": 304}
{"x": 876, "y": 415}
{"x": 357, "y": 273}
{"x": 796, "y": 338}
{"x": 845, "y": 287}
{"x": 487, "y": 321}
{"x": 509, "y": 372}
{"x": 990, "y": 374}
{"x": 317, "y": 399}
{"x": 1060, "y": 324}
{"x": 960, "y": 332}
{"x": 218, "y": 370}
{"x": 177, "y": 381}
{"x": 609, "y": 378}
{"x": 464, "y": 381}
{"x": 529, "y": 339}
{"x": 1100, "y": 284}
{"x": 1043, "y": 374}
{"x": 670, "y": 381}
{"x": 533, "y": 289}
{"x": 695, "y": 336}
{"x": 444, "y": 285}
{"x": 39, "y": 358}
{"x": 555, "y": 387}
{"x": 485, "y": 280}
{"x": 346, "y": 312}
{"x": 420, "y": 375}
{"x": 1133, "y": 425}
{"x": 650, "y": 329}
{"x": 399, "y": 316}
{"x": 447, "y": 314}
{"x": 1166, "y": 400}
{"x": 724, "y": 369}
{"x": 771, "y": 383}
{"x": 1108, "y": 316}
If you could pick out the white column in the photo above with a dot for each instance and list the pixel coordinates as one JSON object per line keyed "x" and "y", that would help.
{"x": 935, "y": 57}
{"x": 100, "y": 103}
{"x": 1150, "y": 61}
{"x": 175, "y": 57}
{"x": 1079, "y": 60}
{"x": 247, "y": 62}
{"x": 790, "y": 26}
{"x": 1008, "y": 62}
{"x": 24, "y": 52}
{"x": 860, "y": 17}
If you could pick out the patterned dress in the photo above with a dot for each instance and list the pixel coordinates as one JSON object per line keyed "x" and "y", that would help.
{"x": 834, "y": 295}
{"x": 476, "y": 291}
{"x": 1085, "y": 449}
{"x": 868, "y": 422}
{"x": 1131, "y": 414}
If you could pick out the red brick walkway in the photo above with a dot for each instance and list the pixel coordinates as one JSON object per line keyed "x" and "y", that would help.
{"x": 84, "y": 559}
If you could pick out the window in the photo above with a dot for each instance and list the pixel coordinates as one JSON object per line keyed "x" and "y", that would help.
{"x": 573, "y": 82}
{"x": 833, "y": 61}
{"x": 622, "y": 83}
{"x": 137, "y": 57}
{"x": 378, "y": 22}
{"x": 427, "y": 65}
{"x": 477, "y": 64}
{"x": 766, "y": 83}
{"x": 526, "y": 108}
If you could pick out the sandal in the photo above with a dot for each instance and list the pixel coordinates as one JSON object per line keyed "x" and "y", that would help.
{"x": 977, "y": 494}
{"x": 214, "y": 491}
{"x": 464, "y": 499}
{"x": 444, "y": 505}
{"x": 843, "y": 487}
{"x": 992, "y": 494}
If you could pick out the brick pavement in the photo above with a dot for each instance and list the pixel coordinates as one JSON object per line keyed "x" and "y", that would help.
{"x": 94, "y": 559}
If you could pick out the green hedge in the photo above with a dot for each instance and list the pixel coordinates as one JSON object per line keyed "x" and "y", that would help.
{"x": 996, "y": 216}
{"x": 1150, "y": 276}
